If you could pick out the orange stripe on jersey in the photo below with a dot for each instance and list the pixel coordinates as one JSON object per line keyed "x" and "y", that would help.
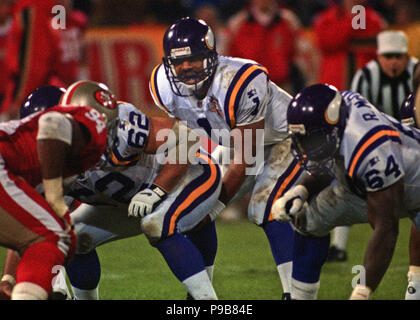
{"x": 375, "y": 137}
{"x": 196, "y": 193}
{"x": 153, "y": 81}
{"x": 119, "y": 162}
{"x": 234, "y": 95}
{"x": 284, "y": 186}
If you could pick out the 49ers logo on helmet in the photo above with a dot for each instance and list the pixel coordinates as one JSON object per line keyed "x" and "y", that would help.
{"x": 106, "y": 99}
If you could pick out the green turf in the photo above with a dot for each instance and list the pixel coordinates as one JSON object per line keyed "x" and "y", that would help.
{"x": 132, "y": 269}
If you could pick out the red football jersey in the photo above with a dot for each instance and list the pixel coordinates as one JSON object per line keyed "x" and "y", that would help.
{"x": 37, "y": 53}
{"x": 19, "y": 151}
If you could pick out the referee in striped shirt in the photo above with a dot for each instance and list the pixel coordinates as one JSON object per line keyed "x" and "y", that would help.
{"x": 387, "y": 80}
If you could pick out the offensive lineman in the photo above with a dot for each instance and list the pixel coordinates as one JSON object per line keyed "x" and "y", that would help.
{"x": 130, "y": 171}
{"x": 231, "y": 97}
{"x": 364, "y": 168}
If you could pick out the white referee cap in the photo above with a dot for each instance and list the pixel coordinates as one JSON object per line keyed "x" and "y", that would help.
{"x": 391, "y": 41}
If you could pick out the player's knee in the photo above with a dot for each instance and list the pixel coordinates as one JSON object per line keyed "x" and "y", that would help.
{"x": 254, "y": 215}
{"x": 152, "y": 228}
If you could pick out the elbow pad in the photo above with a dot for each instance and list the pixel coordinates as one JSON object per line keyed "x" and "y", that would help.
{"x": 55, "y": 125}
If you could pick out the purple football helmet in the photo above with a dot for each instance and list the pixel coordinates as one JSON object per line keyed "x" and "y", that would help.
{"x": 189, "y": 39}
{"x": 40, "y": 99}
{"x": 316, "y": 119}
{"x": 407, "y": 111}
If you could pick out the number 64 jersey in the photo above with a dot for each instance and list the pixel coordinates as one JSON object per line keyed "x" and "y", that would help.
{"x": 376, "y": 152}
{"x": 124, "y": 168}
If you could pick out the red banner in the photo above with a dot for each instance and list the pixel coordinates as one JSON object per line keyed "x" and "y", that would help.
{"x": 124, "y": 59}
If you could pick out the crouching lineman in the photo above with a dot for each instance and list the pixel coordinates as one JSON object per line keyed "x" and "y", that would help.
{"x": 45, "y": 148}
{"x": 173, "y": 199}
{"x": 363, "y": 167}
{"x": 165, "y": 198}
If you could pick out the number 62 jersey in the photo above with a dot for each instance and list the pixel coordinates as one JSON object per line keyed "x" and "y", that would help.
{"x": 124, "y": 168}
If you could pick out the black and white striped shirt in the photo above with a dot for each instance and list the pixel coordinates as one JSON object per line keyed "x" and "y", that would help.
{"x": 385, "y": 93}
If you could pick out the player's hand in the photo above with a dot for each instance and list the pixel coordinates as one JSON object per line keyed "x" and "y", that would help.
{"x": 145, "y": 201}
{"x": 291, "y": 204}
{"x": 6, "y": 287}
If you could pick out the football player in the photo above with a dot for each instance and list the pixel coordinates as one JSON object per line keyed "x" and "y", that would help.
{"x": 363, "y": 167}
{"x": 166, "y": 201}
{"x": 39, "y": 227}
{"x": 169, "y": 203}
{"x": 231, "y": 98}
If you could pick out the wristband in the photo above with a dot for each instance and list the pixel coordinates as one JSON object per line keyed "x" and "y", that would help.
{"x": 9, "y": 278}
{"x": 158, "y": 190}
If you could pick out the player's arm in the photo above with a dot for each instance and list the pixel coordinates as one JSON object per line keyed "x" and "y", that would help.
{"x": 171, "y": 172}
{"x": 171, "y": 137}
{"x": 236, "y": 174}
{"x": 382, "y": 210}
{"x": 58, "y": 138}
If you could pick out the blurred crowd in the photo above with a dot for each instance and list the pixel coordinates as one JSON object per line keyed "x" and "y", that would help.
{"x": 300, "y": 42}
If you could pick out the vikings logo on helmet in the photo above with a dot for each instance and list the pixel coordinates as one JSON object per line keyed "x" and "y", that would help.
{"x": 407, "y": 111}
{"x": 316, "y": 117}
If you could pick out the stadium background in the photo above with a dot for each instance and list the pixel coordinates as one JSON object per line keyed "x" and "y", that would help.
{"x": 122, "y": 46}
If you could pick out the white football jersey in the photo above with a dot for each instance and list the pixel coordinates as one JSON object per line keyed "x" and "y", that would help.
{"x": 378, "y": 150}
{"x": 124, "y": 167}
{"x": 241, "y": 93}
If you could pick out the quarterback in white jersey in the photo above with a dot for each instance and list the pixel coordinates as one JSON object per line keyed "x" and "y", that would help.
{"x": 227, "y": 97}
{"x": 371, "y": 160}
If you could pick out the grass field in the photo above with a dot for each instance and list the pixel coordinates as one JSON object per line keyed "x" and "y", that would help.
{"x": 132, "y": 269}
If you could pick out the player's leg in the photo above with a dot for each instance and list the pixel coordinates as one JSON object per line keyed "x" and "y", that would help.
{"x": 94, "y": 226}
{"x": 31, "y": 227}
{"x": 280, "y": 172}
{"x": 337, "y": 251}
{"x": 204, "y": 237}
{"x": 413, "y": 288}
{"x": 181, "y": 212}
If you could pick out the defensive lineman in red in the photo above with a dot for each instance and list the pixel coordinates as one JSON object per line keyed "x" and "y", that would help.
{"x": 46, "y": 148}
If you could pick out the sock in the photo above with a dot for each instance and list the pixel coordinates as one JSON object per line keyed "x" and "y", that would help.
{"x": 84, "y": 273}
{"x": 28, "y": 291}
{"x": 340, "y": 237}
{"x": 205, "y": 239}
{"x": 182, "y": 257}
{"x": 81, "y": 294}
{"x": 413, "y": 288}
{"x": 187, "y": 264}
{"x": 37, "y": 263}
{"x": 59, "y": 283}
{"x": 309, "y": 254}
{"x": 200, "y": 287}
{"x": 280, "y": 237}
